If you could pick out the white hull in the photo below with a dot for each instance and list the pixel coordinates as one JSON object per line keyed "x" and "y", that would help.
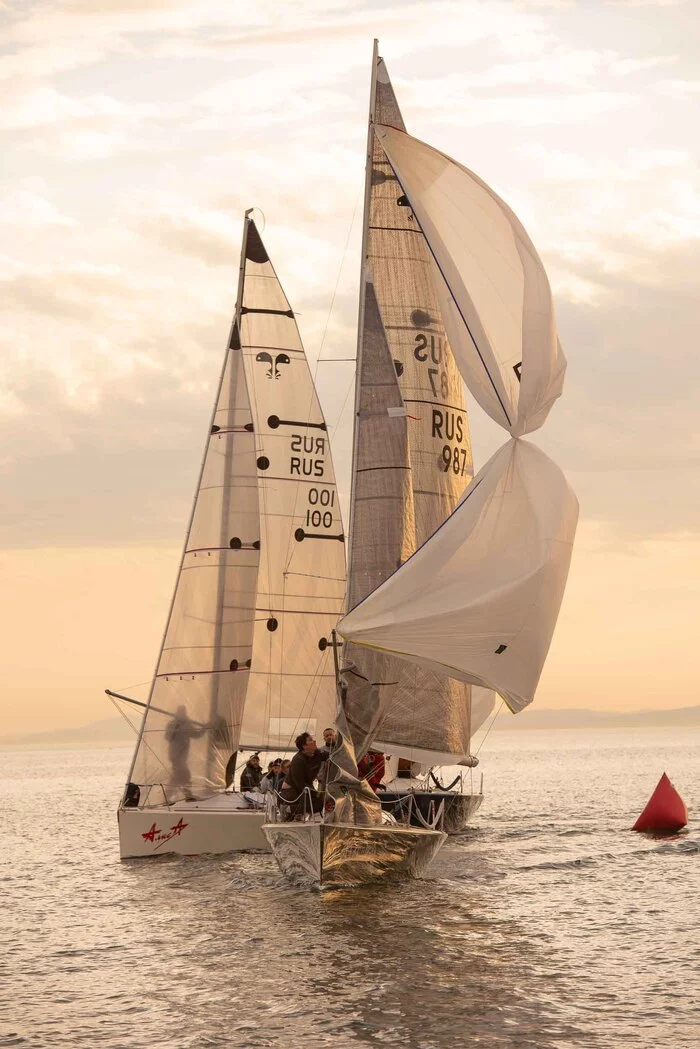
{"x": 216, "y": 826}
{"x": 327, "y": 855}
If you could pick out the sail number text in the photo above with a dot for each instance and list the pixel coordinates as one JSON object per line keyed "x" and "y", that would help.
{"x": 306, "y": 464}
{"x": 449, "y": 425}
{"x": 316, "y": 516}
{"x": 430, "y": 351}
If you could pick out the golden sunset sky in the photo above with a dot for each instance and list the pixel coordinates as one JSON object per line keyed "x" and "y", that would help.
{"x": 134, "y": 135}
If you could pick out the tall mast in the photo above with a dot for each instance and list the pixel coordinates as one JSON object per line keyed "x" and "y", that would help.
{"x": 214, "y": 699}
{"x": 361, "y": 306}
{"x": 241, "y": 277}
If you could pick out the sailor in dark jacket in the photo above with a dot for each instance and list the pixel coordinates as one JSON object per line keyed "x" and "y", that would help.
{"x": 252, "y": 774}
{"x": 302, "y": 772}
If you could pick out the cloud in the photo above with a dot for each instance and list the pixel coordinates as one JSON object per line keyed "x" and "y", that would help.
{"x": 28, "y": 206}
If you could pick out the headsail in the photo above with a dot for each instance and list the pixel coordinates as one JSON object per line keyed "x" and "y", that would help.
{"x": 493, "y": 290}
{"x": 262, "y": 578}
{"x": 412, "y": 456}
{"x": 480, "y": 599}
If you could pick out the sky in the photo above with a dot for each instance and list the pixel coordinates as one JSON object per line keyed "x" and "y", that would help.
{"x": 134, "y": 133}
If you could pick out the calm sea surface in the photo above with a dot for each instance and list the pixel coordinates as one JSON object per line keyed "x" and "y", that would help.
{"x": 549, "y": 924}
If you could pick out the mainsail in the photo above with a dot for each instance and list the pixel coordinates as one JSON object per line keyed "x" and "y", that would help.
{"x": 412, "y": 458}
{"x": 245, "y": 662}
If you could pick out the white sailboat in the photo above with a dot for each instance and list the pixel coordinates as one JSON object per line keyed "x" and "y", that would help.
{"x": 244, "y": 664}
{"x": 475, "y": 601}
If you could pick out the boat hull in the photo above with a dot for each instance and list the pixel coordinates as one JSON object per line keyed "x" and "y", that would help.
{"x": 331, "y": 855}
{"x": 457, "y": 813}
{"x": 190, "y": 829}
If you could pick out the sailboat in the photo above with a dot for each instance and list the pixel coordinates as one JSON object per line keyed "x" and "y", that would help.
{"x": 411, "y": 473}
{"x": 244, "y": 664}
{"x": 463, "y": 586}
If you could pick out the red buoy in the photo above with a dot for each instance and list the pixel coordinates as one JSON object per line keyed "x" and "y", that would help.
{"x": 665, "y": 811}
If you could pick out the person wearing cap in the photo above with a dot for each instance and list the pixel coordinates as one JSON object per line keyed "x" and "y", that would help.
{"x": 252, "y": 774}
{"x": 274, "y": 777}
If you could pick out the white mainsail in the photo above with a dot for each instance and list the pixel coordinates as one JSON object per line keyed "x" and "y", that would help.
{"x": 412, "y": 459}
{"x": 244, "y": 661}
{"x": 494, "y": 293}
{"x": 480, "y": 599}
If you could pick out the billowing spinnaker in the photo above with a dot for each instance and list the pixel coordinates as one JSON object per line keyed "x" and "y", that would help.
{"x": 494, "y": 294}
{"x": 480, "y": 599}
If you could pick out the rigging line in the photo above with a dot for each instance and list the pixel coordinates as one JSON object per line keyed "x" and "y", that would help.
{"x": 336, "y": 424}
{"x": 130, "y": 688}
{"x": 123, "y": 714}
{"x": 493, "y": 719}
{"x": 337, "y": 282}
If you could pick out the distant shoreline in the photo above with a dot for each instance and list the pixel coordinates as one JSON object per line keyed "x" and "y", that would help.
{"x": 113, "y": 731}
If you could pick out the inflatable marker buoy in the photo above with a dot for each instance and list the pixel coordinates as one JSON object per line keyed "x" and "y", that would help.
{"x": 665, "y": 812}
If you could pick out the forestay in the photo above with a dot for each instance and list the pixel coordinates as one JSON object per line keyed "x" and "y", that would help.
{"x": 493, "y": 291}
{"x": 480, "y": 599}
{"x": 244, "y": 660}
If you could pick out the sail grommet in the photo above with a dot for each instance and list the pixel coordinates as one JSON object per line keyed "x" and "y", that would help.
{"x": 249, "y": 428}
{"x": 233, "y": 665}
{"x": 300, "y": 535}
{"x": 235, "y": 543}
{"x": 215, "y": 429}
{"x": 256, "y": 544}
{"x": 403, "y": 202}
{"x": 273, "y": 422}
{"x": 262, "y": 462}
{"x": 323, "y": 644}
{"x": 272, "y": 624}
{"x": 421, "y": 319}
{"x": 247, "y": 663}
{"x": 398, "y": 368}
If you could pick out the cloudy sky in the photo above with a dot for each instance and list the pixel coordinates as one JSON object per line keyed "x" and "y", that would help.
{"x": 134, "y": 134}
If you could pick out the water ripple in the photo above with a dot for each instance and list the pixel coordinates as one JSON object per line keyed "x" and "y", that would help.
{"x": 547, "y": 925}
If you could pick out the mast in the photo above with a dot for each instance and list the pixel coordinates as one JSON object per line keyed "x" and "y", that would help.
{"x": 214, "y": 700}
{"x": 241, "y": 275}
{"x": 361, "y": 305}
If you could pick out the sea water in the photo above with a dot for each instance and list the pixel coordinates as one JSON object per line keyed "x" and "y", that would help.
{"x": 547, "y": 924}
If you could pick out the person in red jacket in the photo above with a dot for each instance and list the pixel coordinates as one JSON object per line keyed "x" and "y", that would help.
{"x": 372, "y": 767}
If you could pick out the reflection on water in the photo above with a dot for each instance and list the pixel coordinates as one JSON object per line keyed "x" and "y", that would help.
{"x": 547, "y": 925}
